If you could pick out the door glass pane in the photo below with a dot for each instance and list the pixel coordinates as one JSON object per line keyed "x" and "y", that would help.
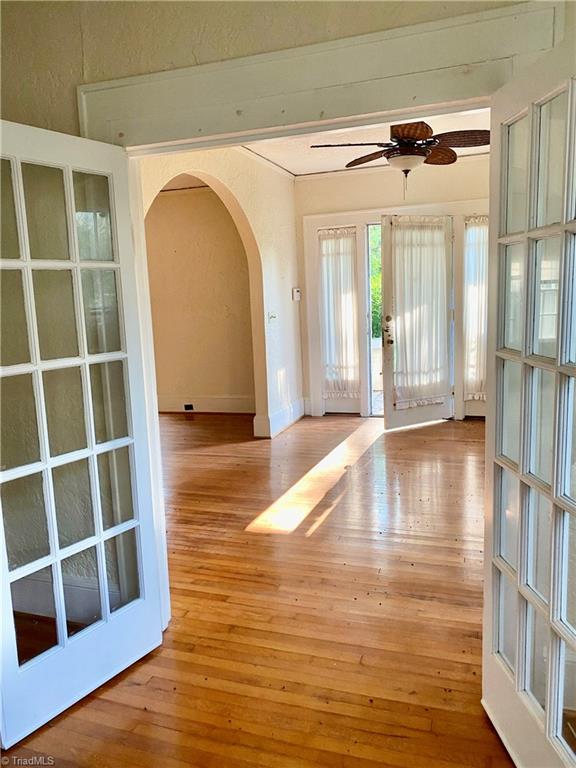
{"x": 13, "y": 331}
{"x": 571, "y": 421}
{"x": 34, "y": 614}
{"x": 570, "y": 613}
{"x": 54, "y": 300}
{"x": 19, "y": 434}
{"x": 551, "y": 157}
{"x": 101, "y": 310}
{"x": 571, "y": 330}
{"x": 510, "y": 412}
{"x": 517, "y": 176}
{"x": 542, "y": 424}
{"x": 122, "y": 570}
{"x": 538, "y": 639}
{"x": 540, "y": 532}
{"x": 508, "y": 620}
{"x": 115, "y": 487}
{"x": 93, "y": 221}
{"x": 509, "y": 517}
{"x": 8, "y": 226}
{"x": 513, "y": 302}
{"x": 81, "y": 590}
{"x": 64, "y": 410}
{"x": 45, "y": 211}
{"x": 546, "y": 299}
{"x": 25, "y": 527}
{"x": 73, "y": 502}
{"x": 568, "y": 727}
{"x": 108, "y": 401}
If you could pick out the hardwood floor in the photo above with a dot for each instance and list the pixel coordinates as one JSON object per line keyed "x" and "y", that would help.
{"x": 327, "y": 591}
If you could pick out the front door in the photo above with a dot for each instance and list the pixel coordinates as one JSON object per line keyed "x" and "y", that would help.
{"x": 529, "y": 683}
{"x": 416, "y": 319}
{"x": 78, "y": 565}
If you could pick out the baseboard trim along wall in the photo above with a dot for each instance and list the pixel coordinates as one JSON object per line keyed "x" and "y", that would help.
{"x": 273, "y": 424}
{"x": 208, "y": 403}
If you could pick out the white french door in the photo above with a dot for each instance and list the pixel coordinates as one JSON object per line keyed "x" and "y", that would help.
{"x": 78, "y": 560}
{"x": 529, "y": 683}
{"x": 417, "y": 319}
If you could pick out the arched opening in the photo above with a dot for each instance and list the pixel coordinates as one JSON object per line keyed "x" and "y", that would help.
{"x": 202, "y": 269}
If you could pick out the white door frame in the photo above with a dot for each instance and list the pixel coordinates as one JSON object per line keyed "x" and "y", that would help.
{"x": 353, "y": 81}
{"x": 359, "y": 219}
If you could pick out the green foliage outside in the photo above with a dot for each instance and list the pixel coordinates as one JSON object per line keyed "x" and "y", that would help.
{"x": 374, "y": 249}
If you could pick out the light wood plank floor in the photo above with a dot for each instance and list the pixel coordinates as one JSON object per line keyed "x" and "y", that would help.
{"x": 327, "y": 591}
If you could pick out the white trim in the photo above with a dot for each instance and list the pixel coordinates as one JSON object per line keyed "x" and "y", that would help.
{"x": 359, "y": 219}
{"x": 273, "y": 424}
{"x": 462, "y": 58}
{"x": 150, "y": 390}
{"x": 207, "y": 403}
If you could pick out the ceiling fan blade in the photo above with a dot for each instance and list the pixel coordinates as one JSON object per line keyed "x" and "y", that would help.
{"x": 463, "y": 138}
{"x": 411, "y": 131}
{"x": 366, "y": 158}
{"x": 441, "y": 156}
{"x": 360, "y": 144}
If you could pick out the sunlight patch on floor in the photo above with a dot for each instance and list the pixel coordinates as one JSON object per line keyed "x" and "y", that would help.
{"x": 293, "y": 507}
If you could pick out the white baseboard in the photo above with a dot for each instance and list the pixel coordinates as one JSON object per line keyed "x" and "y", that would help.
{"x": 207, "y": 403}
{"x": 273, "y": 424}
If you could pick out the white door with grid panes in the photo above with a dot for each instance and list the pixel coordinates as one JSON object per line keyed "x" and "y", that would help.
{"x": 78, "y": 561}
{"x": 529, "y": 684}
{"x": 417, "y": 303}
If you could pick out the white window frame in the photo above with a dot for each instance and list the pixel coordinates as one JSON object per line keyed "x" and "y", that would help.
{"x": 315, "y": 404}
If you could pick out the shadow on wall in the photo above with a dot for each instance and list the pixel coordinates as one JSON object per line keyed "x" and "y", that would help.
{"x": 200, "y": 296}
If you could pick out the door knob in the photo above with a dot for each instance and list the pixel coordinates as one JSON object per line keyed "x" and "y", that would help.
{"x": 389, "y": 341}
{"x": 388, "y": 318}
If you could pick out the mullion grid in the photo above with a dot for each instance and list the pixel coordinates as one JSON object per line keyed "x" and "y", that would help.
{"x": 35, "y": 368}
{"x": 560, "y": 636}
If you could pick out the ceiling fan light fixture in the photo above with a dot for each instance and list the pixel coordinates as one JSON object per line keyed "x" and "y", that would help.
{"x": 407, "y": 161}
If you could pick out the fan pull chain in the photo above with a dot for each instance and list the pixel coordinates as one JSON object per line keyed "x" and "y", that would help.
{"x": 405, "y": 184}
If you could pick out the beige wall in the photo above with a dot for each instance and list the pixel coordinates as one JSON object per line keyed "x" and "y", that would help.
{"x": 200, "y": 297}
{"x": 48, "y": 48}
{"x": 260, "y": 199}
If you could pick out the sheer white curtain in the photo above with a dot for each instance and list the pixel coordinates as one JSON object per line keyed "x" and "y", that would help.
{"x": 421, "y": 351}
{"x": 337, "y": 248}
{"x": 475, "y": 307}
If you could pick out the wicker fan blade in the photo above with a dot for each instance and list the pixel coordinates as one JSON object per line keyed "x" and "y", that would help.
{"x": 441, "y": 156}
{"x": 463, "y": 138}
{"x": 366, "y": 158}
{"x": 360, "y": 144}
{"x": 411, "y": 131}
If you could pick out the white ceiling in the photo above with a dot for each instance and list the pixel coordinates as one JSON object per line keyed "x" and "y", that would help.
{"x": 293, "y": 153}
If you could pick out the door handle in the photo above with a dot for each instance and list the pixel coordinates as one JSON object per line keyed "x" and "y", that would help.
{"x": 389, "y": 341}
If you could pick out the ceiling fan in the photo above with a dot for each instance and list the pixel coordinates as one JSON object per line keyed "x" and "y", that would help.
{"x": 413, "y": 144}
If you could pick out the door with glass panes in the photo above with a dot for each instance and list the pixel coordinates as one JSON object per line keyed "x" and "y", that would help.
{"x": 80, "y": 584}
{"x": 529, "y": 684}
{"x": 417, "y": 304}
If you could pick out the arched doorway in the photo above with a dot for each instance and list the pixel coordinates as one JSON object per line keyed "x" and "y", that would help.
{"x": 206, "y": 295}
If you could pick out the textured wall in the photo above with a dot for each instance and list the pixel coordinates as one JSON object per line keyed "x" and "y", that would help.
{"x": 260, "y": 199}
{"x": 48, "y": 48}
{"x": 200, "y": 297}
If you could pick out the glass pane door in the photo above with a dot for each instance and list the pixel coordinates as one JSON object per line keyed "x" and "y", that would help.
{"x": 417, "y": 328}
{"x": 76, "y": 537}
{"x": 530, "y": 656}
